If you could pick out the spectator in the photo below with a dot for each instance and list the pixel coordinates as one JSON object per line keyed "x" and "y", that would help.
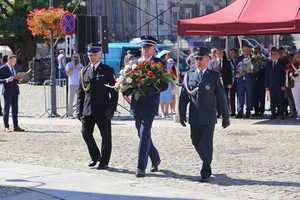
{"x": 61, "y": 59}
{"x": 190, "y": 61}
{"x": 127, "y": 58}
{"x": 233, "y": 54}
{"x": 294, "y": 74}
{"x": 166, "y": 96}
{"x": 275, "y": 83}
{"x": 245, "y": 82}
{"x": 73, "y": 72}
{"x": 259, "y": 93}
{"x": 11, "y": 93}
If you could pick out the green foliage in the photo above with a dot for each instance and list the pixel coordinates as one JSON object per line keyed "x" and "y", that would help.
{"x": 13, "y": 17}
{"x": 287, "y": 40}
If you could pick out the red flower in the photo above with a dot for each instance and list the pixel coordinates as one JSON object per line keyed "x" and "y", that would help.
{"x": 132, "y": 72}
{"x": 139, "y": 78}
{"x": 150, "y": 74}
{"x": 139, "y": 65}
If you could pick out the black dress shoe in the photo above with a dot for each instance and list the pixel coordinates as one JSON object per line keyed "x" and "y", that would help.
{"x": 248, "y": 115}
{"x": 18, "y": 129}
{"x": 140, "y": 173}
{"x": 154, "y": 167}
{"x": 232, "y": 115}
{"x": 92, "y": 163}
{"x": 102, "y": 167}
{"x": 204, "y": 179}
{"x": 239, "y": 116}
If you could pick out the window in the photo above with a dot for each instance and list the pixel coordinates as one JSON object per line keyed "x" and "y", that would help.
{"x": 175, "y": 15}
{"x": 131, "y": 15}
{"x": 188, "y": 13}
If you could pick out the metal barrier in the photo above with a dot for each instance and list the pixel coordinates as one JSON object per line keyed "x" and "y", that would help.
{"x": 61, "y": 96}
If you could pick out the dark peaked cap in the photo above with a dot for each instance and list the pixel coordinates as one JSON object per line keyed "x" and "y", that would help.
{"x": 147, "y": 40}
{"x": 94, "y": 48}
{"x": 199, "y": 54}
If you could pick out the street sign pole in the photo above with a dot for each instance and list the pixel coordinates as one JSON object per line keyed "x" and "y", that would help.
{"x": 53, "y": 109}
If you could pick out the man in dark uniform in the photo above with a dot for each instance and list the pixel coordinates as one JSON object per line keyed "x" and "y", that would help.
{"x": 10, "y": 92}
{"x": 203, "y": 90}
{"x": 96, "y": 105}
{"x": 144, "y": 110}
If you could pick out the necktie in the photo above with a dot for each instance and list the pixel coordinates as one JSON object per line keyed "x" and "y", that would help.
{"x": 12, "y": 70}
{"x": 200, "y": 75}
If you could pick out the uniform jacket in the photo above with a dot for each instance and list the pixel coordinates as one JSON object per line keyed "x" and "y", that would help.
{"x": 275, "y": 76}
{"x": 11, "y": 88}
{"x": 203, "y": 103}
{"x": 99, "y": 99}
{"x": 147, "y": 106}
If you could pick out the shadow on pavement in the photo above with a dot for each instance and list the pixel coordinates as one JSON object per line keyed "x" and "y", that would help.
{"x": 45, "y": 131}
{"x": 279, "y": 122}
{"x": 74, "y": 195}
{"x": 217, "y": 179}
{"x": 223, "y": 179}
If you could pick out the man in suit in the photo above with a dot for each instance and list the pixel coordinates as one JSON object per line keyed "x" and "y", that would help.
{"x": 221, "y": 65}
{"x": 11, "y": 93}
{"x": 275, "y": 83}
{"x": 245, "y": 85}
{"x": 259, "y": 92}
{"x": 144, "y": 109}
{"x": 97, "y": 103}
{"x": 233, "y": 54}
{"x": 203, "y": 90}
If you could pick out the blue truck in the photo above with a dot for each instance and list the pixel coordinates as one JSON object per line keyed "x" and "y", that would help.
{"x": 117, "y": 52}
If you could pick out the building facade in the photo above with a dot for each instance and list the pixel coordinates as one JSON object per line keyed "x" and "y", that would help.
{"x": 128, "y": 19}
{"x": 121, "y": 16}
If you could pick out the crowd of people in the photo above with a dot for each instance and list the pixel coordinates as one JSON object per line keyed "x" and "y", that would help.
{"x": 252, "y": 77}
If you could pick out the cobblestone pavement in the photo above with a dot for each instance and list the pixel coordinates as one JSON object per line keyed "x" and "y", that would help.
{"x": 253, "y": 159}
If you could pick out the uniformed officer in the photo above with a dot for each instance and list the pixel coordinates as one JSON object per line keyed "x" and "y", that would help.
{"x": 203, "y": 90}
{"x": 96, "y": 105}
{"x": 144, "y": 110}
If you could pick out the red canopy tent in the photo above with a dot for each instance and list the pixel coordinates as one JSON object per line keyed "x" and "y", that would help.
{"x": 246, "y": 17}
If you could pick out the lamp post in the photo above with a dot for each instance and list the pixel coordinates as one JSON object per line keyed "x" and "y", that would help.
{"x": 53, "y": 109}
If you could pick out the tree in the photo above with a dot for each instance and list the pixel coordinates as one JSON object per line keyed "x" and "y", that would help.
{"x": 14, "y": 32}
{"x": 287, "y": 40}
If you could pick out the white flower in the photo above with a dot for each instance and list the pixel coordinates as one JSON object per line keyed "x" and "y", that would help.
{"x": 127, "y": 67}
{"x": 129, "y": 80}
{"x": 134, "y": 66}
{"x": 122, "y": 72}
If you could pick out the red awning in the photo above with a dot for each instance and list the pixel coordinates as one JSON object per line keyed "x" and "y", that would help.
{"x": 247, "y": 17}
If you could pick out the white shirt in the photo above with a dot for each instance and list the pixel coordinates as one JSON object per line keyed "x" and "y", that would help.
{"x": 12, "y": 70}
{"x": 61, "y": 61}
{"x": 74, "y": 78}
{"x": 95, "y": 66}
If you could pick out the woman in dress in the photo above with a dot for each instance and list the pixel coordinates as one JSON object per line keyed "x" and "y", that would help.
{"x": 166, "y": 96}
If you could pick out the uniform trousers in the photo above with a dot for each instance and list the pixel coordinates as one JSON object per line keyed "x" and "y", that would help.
{"x": 146, "y": 147}
{"x": 202, "y": 139}
{"x": 104, "y": 125}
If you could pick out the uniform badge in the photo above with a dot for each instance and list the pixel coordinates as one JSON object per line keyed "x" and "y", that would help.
{"x": 207, "y": 87}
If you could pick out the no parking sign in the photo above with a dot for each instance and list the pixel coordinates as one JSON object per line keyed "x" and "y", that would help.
{"x": 67, "y": 23}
